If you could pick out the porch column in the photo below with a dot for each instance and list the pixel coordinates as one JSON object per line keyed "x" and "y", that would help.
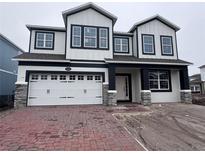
{"x": 145, "y": 92}
{"x": 112, "y": 92}
{"x": 111, "y": 72}
{"x": 185, "y": 92}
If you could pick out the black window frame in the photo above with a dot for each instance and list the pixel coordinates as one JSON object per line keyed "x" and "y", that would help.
{"x": 120, "y": 37}
{"x": 165, "y": 54}
{"x": 142, "y": 36}
{"x": 43, "y": 48}
{"x": 82, "y": 37}
{"x": 170, "y": 81}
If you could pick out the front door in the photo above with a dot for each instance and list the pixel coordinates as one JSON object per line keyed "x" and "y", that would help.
{"x": 122, "y": 87}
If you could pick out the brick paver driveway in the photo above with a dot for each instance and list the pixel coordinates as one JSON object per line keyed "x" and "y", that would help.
{"x": 64, "y": 128}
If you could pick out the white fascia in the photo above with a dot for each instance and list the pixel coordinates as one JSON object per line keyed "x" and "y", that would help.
{"x": 41, "y": 60}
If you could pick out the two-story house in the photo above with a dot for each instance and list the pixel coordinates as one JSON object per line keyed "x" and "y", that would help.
{"x": 87, "y": 62}
{"x": 8, "y": 70}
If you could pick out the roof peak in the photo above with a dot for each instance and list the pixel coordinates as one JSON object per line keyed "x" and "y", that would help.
{"x": 87, "y": 6}
{"x": 158, "y": 17}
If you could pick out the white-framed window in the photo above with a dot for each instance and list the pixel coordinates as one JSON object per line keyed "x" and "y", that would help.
{"x": 54, "y": 77}
{"x": 121, "y": 45}
{"x": 103, "y": 38}
{"x": 148, "y": 44}
{"x": 34, "y": 76}
{"x": 44, "y": 77}
{"x": 44, "y": 40}
{"x": 90, "y": 37}
{"x": 159, "y": 80}
{"x": 80, "y": 77}
{"x": 97, "y": 77}
{"x": 62, "y": 77}
{"x": 72, "y": 77}
{"x": 166, "y": 44}
{"x": 76, "y": 36}
{"x": 89, "y": 77}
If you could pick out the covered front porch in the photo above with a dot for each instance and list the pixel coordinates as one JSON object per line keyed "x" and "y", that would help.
{"x": 147, "y": 83}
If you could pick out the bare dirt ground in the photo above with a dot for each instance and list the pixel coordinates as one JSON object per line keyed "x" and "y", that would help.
{"x": 167, "y": 126}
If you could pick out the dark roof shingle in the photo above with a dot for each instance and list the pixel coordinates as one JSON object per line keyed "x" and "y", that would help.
{"x": 129, "y": 59}
{"x": 40, "y": 56}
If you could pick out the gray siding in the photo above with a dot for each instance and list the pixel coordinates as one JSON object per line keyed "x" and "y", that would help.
{"x": 8, "y": 70}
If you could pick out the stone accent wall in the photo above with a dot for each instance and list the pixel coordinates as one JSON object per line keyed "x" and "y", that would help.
{"x": 186, "y": 96}
{"x": 112, "y": 98}
{"x": 20, "y": 95}
{"x": 105, "y": 93}
{"x": 146, "y": 97}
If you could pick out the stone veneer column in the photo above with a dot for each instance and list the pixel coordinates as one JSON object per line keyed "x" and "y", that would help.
{"x": 112, "y": 97}
{"x": 186, "y": 96}
{"x": 20, "y": 95}
{"x": 105, "y": 93}
{"x": 146, "y": 97}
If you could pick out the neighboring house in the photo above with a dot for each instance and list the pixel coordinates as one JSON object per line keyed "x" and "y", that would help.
{"x": 86, "y": 62}
{"x": 8, "y": 70}
{"x": 202, "y": 72}
{"x": 195, "y": 83}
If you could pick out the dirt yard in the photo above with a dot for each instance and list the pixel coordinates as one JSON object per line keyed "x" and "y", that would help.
{"x": 167, "y": 127}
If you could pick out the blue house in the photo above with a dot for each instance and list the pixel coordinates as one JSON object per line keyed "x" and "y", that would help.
{"x": 8, "y": 70}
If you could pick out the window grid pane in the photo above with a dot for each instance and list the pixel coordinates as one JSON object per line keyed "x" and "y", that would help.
{"x": 148, "y": 44}
{"x": 103, "y": 34}
{"x": 44, "y": 40}
{"x": 76, "y": 36}
{"x": 167, "y": 45}
{"x": 90, "y": 37}
{"x": 159, "y": 80}
{"x": 121, "y": 44}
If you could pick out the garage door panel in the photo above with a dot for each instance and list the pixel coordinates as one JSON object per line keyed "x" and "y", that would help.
{"x": 64, "y": 90}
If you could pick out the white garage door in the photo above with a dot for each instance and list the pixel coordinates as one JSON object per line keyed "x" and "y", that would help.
{"x": 64, "y": 89}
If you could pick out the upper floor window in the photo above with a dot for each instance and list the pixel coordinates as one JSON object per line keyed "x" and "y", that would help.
{"x": 121, "y": 45}
{"x": 148, "y": 44}
{"x": 44, "y": 40}
{"x": 76, "y": 37}
{"x": 166, "y": 45}
{"x": 103, "y": 38}
{"x": 89, "y": 37}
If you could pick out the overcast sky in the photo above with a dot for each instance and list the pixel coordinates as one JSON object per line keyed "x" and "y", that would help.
{"x": 189, "y": 16}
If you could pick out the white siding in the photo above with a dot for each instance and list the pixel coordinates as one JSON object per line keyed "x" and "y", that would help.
{"x": 166, "y": 97}
{"x": 130, "y": 46}
{"x": 135, "y": 44}
{"x": 92, "y": 18}
{"x": 22, "y": 70}
{"x": 202, "y": 70}
{"x": 59, "y": 43}
{"x": 156, "y": 28}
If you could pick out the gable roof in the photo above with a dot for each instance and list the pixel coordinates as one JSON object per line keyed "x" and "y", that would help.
{"x": 155, "y": 17}
{"x": 88, "y": 6}
{"x": 10, "y": 42}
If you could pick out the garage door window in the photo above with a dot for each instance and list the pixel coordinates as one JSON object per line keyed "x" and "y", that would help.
{"x": 34, "y": 77}
{"x": 80, "y": 77}
{"x": 90, "y": 77}
{"x": 72, "y": 77}
{"x": 54, "y": 77}
{"x": 62, "y": 77}
{"x": 44, "y": 77}
{"x": 97, "y": 77}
